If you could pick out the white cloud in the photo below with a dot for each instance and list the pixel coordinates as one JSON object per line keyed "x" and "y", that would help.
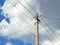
{"x": 8, "y": 43}
{"x": 47, "y": 42}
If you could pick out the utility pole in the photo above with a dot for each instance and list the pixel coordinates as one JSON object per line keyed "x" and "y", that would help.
{"x": 37, "y": 29}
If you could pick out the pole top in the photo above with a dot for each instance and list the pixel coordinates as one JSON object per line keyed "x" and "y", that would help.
{"x": 37, "y": 18}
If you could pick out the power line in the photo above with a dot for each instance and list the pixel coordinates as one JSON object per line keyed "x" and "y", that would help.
{"x": 51, "y": 30}
{"x": 18, "y": 8}
{"x": 20, "y": 11}
{"x": 25, "y": 7}
{"x": 11, "y": 3}
{"x": 30, "y": 5}
{"x": 20, "y": 31}
{"x": 41, "y": 15}
{"x": 50, "y": 18}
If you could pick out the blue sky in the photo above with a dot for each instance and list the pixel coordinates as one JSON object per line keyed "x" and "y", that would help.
{"x": 17, "y": 26}
{"x": 1, "y": 14}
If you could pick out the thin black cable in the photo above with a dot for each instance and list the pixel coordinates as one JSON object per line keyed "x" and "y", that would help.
{"x": 52, "y": 36}
{"x": 20, "y": 31}
{"x": 50, "y": 18}
{"x": 41, "y": 15}
{"x": 54, "y": 33}
{"x": 19, "y": 10}
{"x": 51, "y": 30}
{"x": 25, "y": 7}
{"x": 11, "y": 3}
{"x": 50, "y": 33}
{"x": 30, "y": 5}
{"x": 19, "y": 24}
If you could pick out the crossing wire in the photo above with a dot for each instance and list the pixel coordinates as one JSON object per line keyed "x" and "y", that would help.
{"x": 18, "y": 8}
{"x": 25, "y": 7}
{"x": 41, "y": 15}
{"x": 30, "y": 5}
{"x": 21, "y": 11}
{"x": 52, "y": 30}
{"x": 50, "y": 18}
{"x": 49, "y": 32}
{"x": 20, "y": 30}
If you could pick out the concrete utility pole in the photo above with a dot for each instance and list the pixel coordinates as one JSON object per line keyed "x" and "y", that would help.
{"x": 37, "y": 29}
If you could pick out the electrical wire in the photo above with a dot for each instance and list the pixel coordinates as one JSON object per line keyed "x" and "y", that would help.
{"x": 52, "y": 30}
{"x": 47, "y": 17}
{"x": 50, "y": 18}
{"x": 25, "y": 7}
{"x": 20, "y": 30}
{"x": 17, "y": 8}
{"x": 49, "y": 32}
{"x": 20, "y": 11}
{"x": 35, "y": 10}
{"x": 41, "y": 15}
{"x": 30, "y": 5}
